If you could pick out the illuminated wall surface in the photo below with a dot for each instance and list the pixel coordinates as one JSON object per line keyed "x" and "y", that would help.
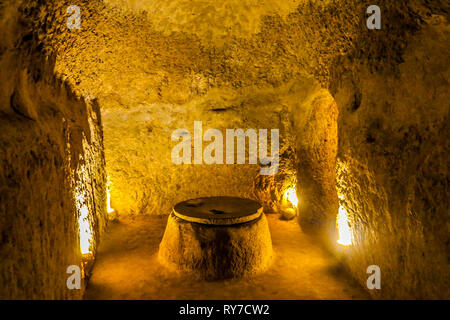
{"x": 87, "y": 114}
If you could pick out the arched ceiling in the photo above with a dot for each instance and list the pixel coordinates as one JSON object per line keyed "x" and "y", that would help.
{"x": 211, "y": 20}
{"x": 130, "y": 52}
{"x": 159, "y": 66}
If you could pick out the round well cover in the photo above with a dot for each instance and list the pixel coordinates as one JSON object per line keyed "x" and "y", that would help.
{"x": 218, "y": 210}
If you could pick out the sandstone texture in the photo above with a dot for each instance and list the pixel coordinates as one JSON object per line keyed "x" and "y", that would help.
{"x": 362, "y": 114}
{"x": 216, "y": 252}
{"x": 51, "y": 163}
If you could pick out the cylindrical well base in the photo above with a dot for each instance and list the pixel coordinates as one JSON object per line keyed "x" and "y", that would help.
{"x": 217, "y": 252}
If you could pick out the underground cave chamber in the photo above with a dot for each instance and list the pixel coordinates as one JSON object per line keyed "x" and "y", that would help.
{"x": 223, "y": 150}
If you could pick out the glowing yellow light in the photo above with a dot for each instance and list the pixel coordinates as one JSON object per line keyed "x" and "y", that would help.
{"x": 84, "y": 226}
{"x": 291, "y": 196}
{"x": 345, "y": 235}
{"x": 85, "y": 230}
{"x": 108, "y": 201}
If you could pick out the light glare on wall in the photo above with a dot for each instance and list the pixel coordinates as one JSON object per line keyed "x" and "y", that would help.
{"x": 108, "y": 201}
{"x": 291, "y": 196}
{"x": 84, "y": 226}
{"x": 345, "y": 235}
{"x": 85, "y": 230}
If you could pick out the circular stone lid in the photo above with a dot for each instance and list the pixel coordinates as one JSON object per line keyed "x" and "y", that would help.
{"x": 218, "y": 210}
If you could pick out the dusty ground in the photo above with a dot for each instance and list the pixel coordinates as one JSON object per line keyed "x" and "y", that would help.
{"x": 127, "y": 268}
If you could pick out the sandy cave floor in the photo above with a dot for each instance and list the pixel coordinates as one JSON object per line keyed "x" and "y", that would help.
{"x": 127, "y": 268}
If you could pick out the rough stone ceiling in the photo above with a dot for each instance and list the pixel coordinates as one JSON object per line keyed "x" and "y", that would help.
{"x": 134, "y": 52}
{"x": 151, "y": 80}
{"x": 152, "y": 75}
{"x": 210, "y": 19}
{"x": 125, "y": 57}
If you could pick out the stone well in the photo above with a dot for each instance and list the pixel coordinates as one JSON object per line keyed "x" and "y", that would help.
{"x": 217, "y": 238}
